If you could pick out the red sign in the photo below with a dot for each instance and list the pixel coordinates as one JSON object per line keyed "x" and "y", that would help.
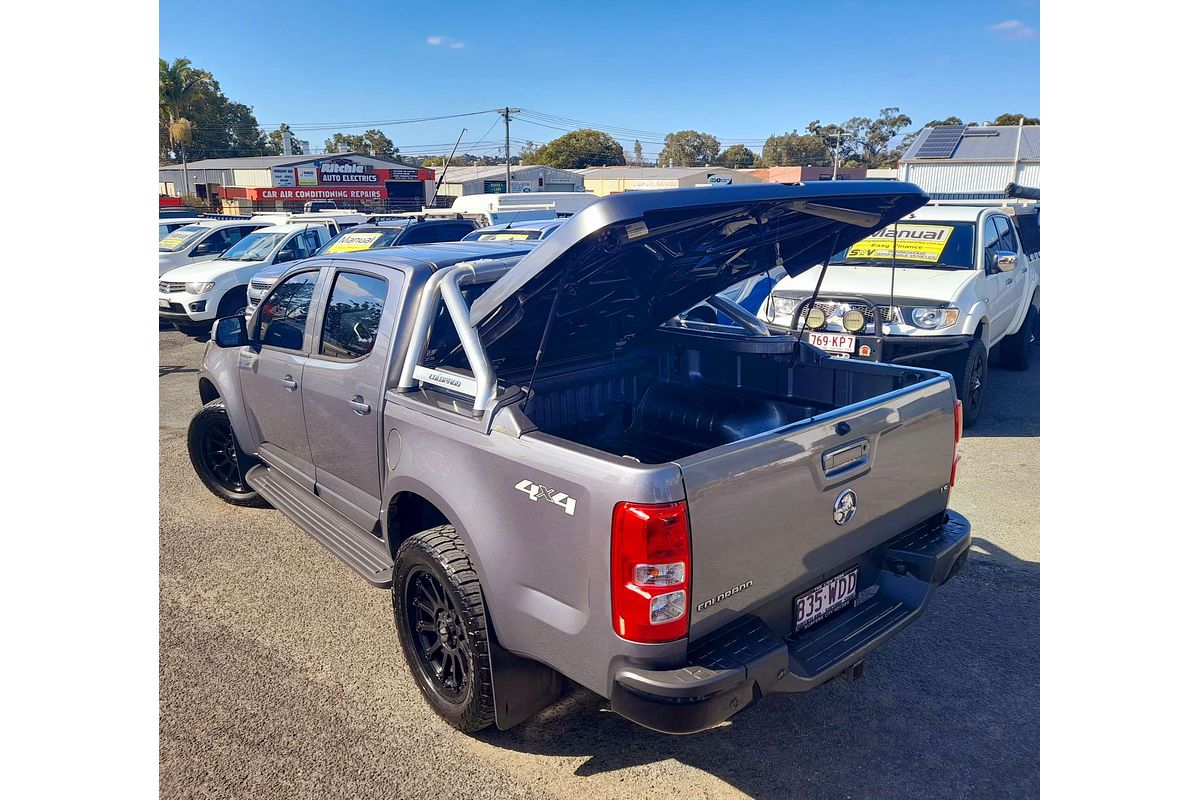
{"x": 319, "y": 193}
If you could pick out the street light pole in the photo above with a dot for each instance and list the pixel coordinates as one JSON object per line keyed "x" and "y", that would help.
{"x": 837, "y": 149}
{"x": 507, "y": 113}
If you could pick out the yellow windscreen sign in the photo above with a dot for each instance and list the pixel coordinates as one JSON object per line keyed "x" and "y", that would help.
{"x": 519, "y": 235}
{"x": 912, "y": 243}
{"x": 176, "y": 238}
{"x": 353, "y": 242}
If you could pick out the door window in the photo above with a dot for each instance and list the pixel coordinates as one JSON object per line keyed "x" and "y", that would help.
{"x": 991, "y": 243}
{"x": 423, "y": 234}
{"x": 1008, "y": 239}
{"x": 285, "y": 312}
{"x": 352, "y": 315}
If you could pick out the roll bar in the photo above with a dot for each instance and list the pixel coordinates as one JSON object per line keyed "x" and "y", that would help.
{"x": 447, "y": 286}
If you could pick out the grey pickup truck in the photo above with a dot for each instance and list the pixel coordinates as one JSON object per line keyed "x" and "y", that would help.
{"x": 559, "y": 469}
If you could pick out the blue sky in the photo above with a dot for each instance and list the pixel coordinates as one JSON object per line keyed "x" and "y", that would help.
{"x": 741, "y": 71}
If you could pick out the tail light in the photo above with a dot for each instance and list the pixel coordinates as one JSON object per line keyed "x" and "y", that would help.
{"x": 651, "y": 571}
{"x": 958, "y": 428}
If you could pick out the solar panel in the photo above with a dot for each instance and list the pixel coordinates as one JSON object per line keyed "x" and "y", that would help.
{"x": 940, "y": 142}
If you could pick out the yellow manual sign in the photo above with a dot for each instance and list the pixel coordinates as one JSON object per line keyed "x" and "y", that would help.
{"x": 912, "y": 243}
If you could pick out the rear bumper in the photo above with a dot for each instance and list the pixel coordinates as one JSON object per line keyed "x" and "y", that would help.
{"x": 735, "y": 666}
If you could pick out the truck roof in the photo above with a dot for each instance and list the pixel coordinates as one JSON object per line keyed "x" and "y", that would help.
{"x": 437, "y": 256}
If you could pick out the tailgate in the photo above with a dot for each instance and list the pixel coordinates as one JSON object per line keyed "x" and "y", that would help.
{"x": 762, "y": 510}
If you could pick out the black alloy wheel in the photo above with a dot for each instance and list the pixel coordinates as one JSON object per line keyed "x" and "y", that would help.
{"x": 438, "y": 635}
{"x": 219, "y": 462}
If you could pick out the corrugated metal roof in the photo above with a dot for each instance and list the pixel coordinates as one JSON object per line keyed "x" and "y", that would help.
{"x": 654, "y": 173}
{"x": 999, "y": 147}
{"x": 266, "y": 162}
{"x": 468, "y": 174}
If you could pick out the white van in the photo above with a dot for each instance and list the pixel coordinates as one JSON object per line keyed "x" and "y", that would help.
{"x": 195, "y": 295}
{"x": 202, "y": 241}
{"x": 562, "y": 203}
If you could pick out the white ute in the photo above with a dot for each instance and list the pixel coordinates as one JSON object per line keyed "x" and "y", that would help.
{"x": 964, "y": 284}
{"x": 200, "y": 241}
{"x": 195, "y": 295}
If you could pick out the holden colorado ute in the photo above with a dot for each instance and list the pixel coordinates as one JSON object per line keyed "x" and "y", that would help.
{"x": 556, "y": 474}
{"x": 946, "y": 287}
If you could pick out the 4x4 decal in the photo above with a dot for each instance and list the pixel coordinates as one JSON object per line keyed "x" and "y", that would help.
{"x": 537, "y": 492}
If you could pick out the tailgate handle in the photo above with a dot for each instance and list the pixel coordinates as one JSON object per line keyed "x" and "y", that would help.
{"x": 845, "y": 458}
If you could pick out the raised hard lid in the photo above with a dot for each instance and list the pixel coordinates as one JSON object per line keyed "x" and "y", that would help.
{"x": 631, "y": 261}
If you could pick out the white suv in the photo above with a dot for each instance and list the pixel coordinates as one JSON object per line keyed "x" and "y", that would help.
{"x": 195, "y": 295}
{"x": 201, "y": 241}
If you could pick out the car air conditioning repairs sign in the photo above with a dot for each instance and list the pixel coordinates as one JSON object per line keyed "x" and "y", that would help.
{"x": 353, "y": 242}
{"x": 344, "y": 170}
{"x": 300, "y": 193}
{"x": 911, "y": 242}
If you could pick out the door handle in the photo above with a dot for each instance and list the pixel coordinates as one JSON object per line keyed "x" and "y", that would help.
{"x": 360, "y": 408}
{"x": 1024, "y": 270}
{"x": 1008, "y": 282}
{"x": 289, "y": 384}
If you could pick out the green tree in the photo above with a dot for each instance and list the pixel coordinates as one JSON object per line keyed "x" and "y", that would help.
{"x": 794, "y": 150}
{"x": 275, "y": 142}
{"x": 527, "y": 152}
{"x": 736, "y": 156}
{"x": 372, "y": 141}
{"x": 577, "y": 149}
{"x": 864, "y": 142}
{"x": 637, "y": 152}
{"x": 689, "y": 149}
{"x": 1013, "y": 119}
{"x": 220, "y": 126}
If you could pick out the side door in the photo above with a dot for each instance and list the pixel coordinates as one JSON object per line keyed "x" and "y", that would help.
{"x": 455, "y": 231}
{"x": 343, "y": 387}
{"x": 271, "y": 372}
{"x": 1002, "y": 293}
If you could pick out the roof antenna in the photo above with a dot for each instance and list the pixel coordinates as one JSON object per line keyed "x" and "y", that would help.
{"x": 537, "y": 359}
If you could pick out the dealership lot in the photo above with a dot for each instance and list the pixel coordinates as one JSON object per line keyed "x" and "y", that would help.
{"x": 280, "y": 674}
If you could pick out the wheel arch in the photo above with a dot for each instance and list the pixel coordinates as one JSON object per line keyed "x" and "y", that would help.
{"x": 208, "y": 391}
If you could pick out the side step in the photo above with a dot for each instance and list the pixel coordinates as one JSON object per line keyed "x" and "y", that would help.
{"x": 362, "y": 551}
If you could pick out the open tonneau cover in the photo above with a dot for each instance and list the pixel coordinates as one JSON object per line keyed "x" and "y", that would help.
{"x": 629, "y": 262}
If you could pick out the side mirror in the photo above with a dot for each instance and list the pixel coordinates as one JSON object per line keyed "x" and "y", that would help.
{"x": 208, "y": 249}
{"x": 1006, "y": 261}
{"x": 284, "y": 256}
{"x": 231, "y": 332}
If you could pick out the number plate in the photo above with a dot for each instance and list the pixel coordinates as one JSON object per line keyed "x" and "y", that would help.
{"x": 833, "y": 594}
{"x": 164, "y": 302}
{"x": 833, "y": 342}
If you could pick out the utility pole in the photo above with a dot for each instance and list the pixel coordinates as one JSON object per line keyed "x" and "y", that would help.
{"x": 507, "y": 113}
{"x": 837, "y": 150}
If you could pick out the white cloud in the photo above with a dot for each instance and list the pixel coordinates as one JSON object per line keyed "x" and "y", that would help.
{"x": 437, "y": 41}
{"x": 1013, "y": 29}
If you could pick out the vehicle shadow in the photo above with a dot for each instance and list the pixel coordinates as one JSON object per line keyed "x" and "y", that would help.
{"x": 1012, "y": 404}
{"x": 948, "y": 708}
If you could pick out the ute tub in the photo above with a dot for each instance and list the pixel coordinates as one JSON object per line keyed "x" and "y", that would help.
{"x": 734, "y": 666}
{"x": 692, "y": 393}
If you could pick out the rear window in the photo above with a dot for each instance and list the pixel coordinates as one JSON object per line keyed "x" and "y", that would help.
{"x": 943, "y": 245}
{"x": 488, "y": 236}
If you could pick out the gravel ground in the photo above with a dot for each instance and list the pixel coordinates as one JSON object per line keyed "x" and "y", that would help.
{"x": 281, "y": 676}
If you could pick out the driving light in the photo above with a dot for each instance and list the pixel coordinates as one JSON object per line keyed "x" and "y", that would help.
{"x": 198, "y": 288}
{"x": 932, "y": 318}
{"x": 815, "y": 318}
{"x": 854, "y": 321}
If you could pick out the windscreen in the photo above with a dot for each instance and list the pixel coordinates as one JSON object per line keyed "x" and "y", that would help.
{"x": 179, "y": 238}
{"x": 940, "y": 245}
{"x": 255, "y": 247}
{"x": 356, "y": 240}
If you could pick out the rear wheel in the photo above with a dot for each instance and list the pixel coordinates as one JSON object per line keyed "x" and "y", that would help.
{"x": 1016, "y": 351}
{"x": 216, "y": 457}
{"x": 442, "y": 624}
{"x": 970, "y": 379}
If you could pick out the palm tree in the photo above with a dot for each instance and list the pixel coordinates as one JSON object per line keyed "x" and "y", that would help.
{"x": 178, "y": 85}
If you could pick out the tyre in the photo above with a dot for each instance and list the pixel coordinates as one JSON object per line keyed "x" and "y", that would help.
{"x": 232, "y": 303}
{"x": 442, "y": 625}
{"x": 970, "y": 380}
{"x": 1016, "y": 351}
{"x": 217, "y": 458}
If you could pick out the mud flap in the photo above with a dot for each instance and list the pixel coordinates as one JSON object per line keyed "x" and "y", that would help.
{"x": 523, "y": 687}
